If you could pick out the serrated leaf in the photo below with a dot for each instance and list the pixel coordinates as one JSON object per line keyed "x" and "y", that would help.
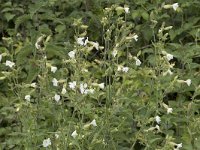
{"x": 53, "y": 51}
{"x": 33, "y": 72}
{"x": 23, "y": 53}
{"x": 9, "y": 16}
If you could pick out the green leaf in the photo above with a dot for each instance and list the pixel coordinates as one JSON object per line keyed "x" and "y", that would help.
{"x": 23, "y": 53}
{"x": 9, "y": 16}
{"x": 33, "y": 71}
{"x": 53, "y": 51}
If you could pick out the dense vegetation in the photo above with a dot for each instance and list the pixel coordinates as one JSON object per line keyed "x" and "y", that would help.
{"x": 100, "y": 74}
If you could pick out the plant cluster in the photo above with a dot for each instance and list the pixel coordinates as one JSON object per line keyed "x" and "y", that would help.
{"x": 113, "y": 75}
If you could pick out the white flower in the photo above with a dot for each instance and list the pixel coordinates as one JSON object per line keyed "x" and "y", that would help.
{"x": 114, "y": 52}
{"x": 96, "y": 45}
{"x": 135, "y": 37}
{"x": 57, "y": 136}
{"x": 64, "y": 91}
{"x": 160, "y": 30}
{"x": 83, "y": 89}
{"x": 72, "y": 85}
{"x": 57, "y": 97}
{"x": 37, "y": 45}
{"x": 91, "y": 91}
{"x": 137, "y": 62}
{"x": 46, "y": 142}
{"x": 188, "y": 82}
{"x": 93, "y": 123}
{"x": 39, "y": 41}
{"x": 84, "y": 70}
{"x": 28, "y": 98}
{"x": 53, "y": 69}
{"x": 169, "y": 57}
{"x": 0, "y": 57}
{"x": 179, "y": 145}
{"x": 126, "y": 9}
{"x": 74, "y": 134}
{"x": 158, "y": 120}
{"x": 119, "y": 68}
{"x": 33, "y": 85}
{"x": 82, "y": 41}
{"x": 157, "y": 127}
{"x": 55, "y": 82}
{"x": 125, "y": 69}
{"x": 101, "y": 85}
{"x": 169, "y": 110}
{"x": 10, "y": 63}
{"x": 175, "y": 6}
{"x": 167, "y": 72}
{"x": 71, "y": 54}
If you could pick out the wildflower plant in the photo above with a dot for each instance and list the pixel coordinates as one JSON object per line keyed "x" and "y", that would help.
{"x": 115, "y": 77}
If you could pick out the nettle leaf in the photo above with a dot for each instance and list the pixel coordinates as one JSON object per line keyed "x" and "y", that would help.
{"x": 60, "y": 28}
{"x": 145, "y": 15}
{"x": 33, "y": 8}
{"x": 9, "y": 16}
{"x": 45, "y": 29}
{"x": 22, "y": 55}
{"x": 22, "y": 19}
{"x": 187, "y": 26}
{"x": 7, "y": 9}
{"x": 53, "y": 51}
{"x": 33, "y": 71}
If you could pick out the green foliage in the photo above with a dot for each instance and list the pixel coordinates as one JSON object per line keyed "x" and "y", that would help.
{"x": 137, "y": 77}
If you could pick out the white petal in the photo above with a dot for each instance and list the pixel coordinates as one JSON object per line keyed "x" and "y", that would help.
{"x": 33, "y": 85}
{"x": 169, "y": 110}
{"x": 96, "y": 45}
{"x": 0, "y": 57}
{"x": 74, "y": 134}
{"x": 27, "y": 97}
{"x": 101, "y": 85}
{"x": 114, "y": 52}
{"x": 46, "y": 142}
{"x": 119, "y": 68}
{"x": 82, "y": 89}
{"x": 55, "y": 82}
{"x": 126, "y": 10}
{"x": 64, "y": 91}
{"x": 137, "y": 62}
{"x": 175, "y": 6}
{"x": 93, "y": 123}
{"x": 72, "y": 85}
{"x": 80, "y": 41}
{"x": 188, "y": 82}
{"x": 157, "y": 127}
{"x": 135, "y": 37}
{"x": 167, "y": 72}
{"x": 169, "y": 57}
{"x": 57, "y": 97}
{"x": 57, "y": 136}
{"x": 125, "y": 69}
{"x": 71, "y": 54}
{"x": 179, "y": 145}
{"x": 10, "y": 63}
{"x": 53, "y": 69}
{"x": 91, "y": 91}
{"x": 158, "y": 120}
